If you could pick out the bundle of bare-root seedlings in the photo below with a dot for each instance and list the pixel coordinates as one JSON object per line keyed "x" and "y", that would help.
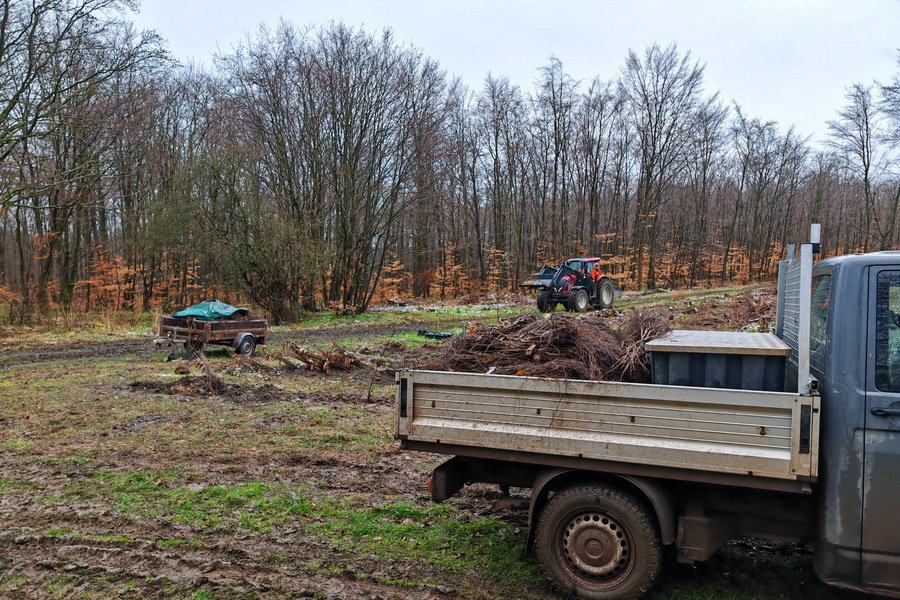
{"x": 561, "y": 346}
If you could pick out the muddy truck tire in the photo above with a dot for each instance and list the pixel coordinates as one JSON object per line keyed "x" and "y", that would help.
{"x": 596, "y": 542}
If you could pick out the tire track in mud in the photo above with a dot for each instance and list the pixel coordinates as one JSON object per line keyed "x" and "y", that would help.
{"x": 76, "y": 350}
{"x": 144, "y": 346}
{"x": 99, "y": 551}
{"x": 148, "y": 569}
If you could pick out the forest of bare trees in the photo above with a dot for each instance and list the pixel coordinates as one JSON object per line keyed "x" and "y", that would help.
{"x": 331, "y": 166}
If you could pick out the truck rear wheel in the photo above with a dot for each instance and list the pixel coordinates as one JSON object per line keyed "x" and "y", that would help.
{"x": 598, "y": 543}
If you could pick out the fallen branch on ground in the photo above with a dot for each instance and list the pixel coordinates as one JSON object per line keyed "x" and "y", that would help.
{"x": 323, "y": 361}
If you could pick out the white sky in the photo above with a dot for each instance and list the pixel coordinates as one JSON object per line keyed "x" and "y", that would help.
{"x": 784, "y": 60}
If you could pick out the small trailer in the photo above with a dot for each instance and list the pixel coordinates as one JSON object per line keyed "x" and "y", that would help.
{"x": 214, "y": 322}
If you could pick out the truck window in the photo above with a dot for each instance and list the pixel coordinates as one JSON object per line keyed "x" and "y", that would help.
{"x": 821, "y": 286}
{"x": 887, "y": 332}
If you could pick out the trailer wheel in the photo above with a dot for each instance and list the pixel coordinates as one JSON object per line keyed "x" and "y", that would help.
{"x": 246, "y": 346}
{"x": 605, "y": 293}
{"x": 543, "y": 301}
{"x": 598, "y": 543}
{"x": 578, "y": 301}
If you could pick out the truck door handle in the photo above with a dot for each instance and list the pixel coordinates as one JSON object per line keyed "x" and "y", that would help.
{"x": 886, "y": 412}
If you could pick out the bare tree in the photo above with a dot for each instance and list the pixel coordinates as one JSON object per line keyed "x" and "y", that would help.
{"x": 662, "y": 89}
{"x": 705, "y": 174}
{"x": 54, "y": 125}
{"x": 595, "y": 164}
{"x": 499, "y": 117}
{"x": 551, "y": 148}
{"x": 44, "y": 50}
{"x": 855, "y": 134}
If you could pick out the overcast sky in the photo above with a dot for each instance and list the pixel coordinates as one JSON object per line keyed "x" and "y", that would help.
{"x": 784, "y": 60}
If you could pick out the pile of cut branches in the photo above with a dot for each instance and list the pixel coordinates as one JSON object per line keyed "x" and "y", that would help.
{"x": 561, "y": 346}
{"x": 325, "y": 360}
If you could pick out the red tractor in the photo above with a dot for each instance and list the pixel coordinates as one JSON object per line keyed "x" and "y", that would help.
{"x": 577, "y": 284}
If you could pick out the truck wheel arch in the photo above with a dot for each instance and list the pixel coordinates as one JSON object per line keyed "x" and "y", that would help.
{"x": 655, "y": 494}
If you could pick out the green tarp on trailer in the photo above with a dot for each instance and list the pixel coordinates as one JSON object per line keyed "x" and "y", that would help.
{"x": 210, "y": 310}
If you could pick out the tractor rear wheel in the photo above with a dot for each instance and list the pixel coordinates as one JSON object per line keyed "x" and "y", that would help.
{"x": 605, "y": 293}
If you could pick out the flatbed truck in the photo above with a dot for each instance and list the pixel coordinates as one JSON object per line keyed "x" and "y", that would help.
{"x": 619, "y": 471}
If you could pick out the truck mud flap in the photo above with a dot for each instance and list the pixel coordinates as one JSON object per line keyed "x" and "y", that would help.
{"x": 448, "y": 478}
{"x": 451, "y": 476}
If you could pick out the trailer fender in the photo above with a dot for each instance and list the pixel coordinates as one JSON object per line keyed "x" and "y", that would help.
{"x": 553, "y": 479}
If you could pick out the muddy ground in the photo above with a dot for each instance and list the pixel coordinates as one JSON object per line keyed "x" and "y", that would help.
{"x": 114, "y": 554}
{"x": 89, "y": 431}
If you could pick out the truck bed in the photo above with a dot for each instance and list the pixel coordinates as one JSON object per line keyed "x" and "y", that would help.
{"x": 714, "y": 434}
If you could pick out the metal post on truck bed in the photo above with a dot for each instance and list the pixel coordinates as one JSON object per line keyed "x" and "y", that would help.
{"x": 803, "y": 379}
{"x": 795, "y": 308}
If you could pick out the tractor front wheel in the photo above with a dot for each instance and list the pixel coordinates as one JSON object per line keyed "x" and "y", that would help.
{"x": 543, "y": 301}
{"x": 578, "y": 301}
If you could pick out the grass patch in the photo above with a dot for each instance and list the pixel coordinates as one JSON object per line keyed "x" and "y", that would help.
{"x": 249, "y": 507}
{"x": 17, "y": 445}
{"x": 11, "y": 485}
{"x": 116, "y": 538}
{"x": 438, "y": 534}
{"x": 430, "y": 535}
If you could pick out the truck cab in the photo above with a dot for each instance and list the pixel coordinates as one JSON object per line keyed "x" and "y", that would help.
{"x": 855, "y": 356}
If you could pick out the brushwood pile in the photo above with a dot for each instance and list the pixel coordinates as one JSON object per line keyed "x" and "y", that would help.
{"x": 559, "y": 346}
